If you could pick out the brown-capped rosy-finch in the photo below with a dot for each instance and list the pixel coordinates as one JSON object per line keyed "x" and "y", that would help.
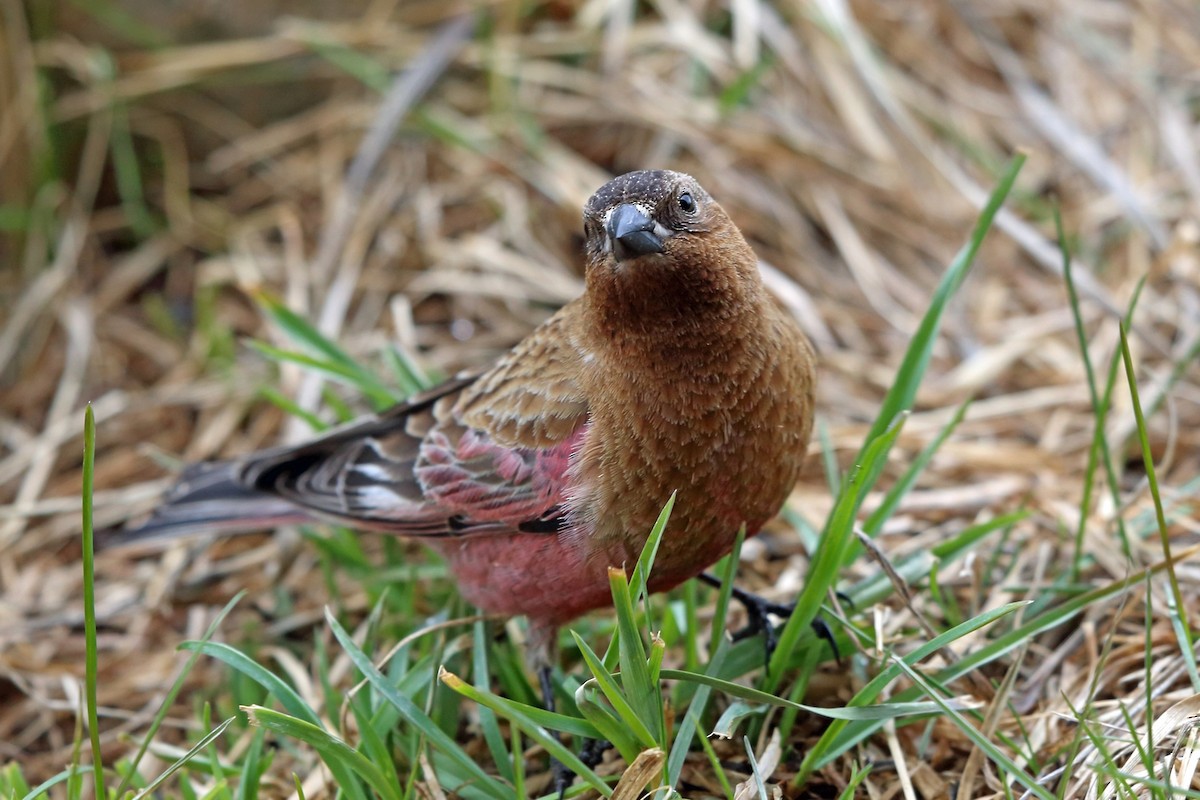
{"x": 674, "y": 372}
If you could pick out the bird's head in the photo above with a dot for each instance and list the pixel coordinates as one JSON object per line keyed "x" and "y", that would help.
{"x": 643, "y": 213}
{"x": 656, "y": 236}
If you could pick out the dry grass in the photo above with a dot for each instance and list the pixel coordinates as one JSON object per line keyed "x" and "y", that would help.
{"x": 852, "y": 144}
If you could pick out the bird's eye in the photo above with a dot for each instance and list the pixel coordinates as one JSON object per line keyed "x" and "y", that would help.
{"x": 687, "y": 203}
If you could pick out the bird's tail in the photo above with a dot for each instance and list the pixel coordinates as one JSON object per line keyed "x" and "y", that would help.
{"x": 208, "y": 498}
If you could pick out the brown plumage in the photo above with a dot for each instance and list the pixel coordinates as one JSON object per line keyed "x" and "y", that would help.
{"x": 674, "y": 372}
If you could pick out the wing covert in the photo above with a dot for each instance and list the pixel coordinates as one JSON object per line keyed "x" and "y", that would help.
{"x": 478, "y": 454}
{"x": 532, "y": 397}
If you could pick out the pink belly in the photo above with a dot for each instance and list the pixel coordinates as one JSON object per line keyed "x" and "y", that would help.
{"x": 555, "y": 578}
{"x": 542, "y": 576}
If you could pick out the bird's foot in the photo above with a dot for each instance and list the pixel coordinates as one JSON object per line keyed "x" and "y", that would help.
{"x": 759, "y": 611}
{"x": 593, "y": 752}
{"x": 593, "y": 749}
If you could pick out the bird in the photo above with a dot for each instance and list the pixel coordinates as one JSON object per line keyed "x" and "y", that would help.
{"x": 674, "y": 372}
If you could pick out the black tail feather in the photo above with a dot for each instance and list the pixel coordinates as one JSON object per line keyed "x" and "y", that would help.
{"x": 209, "y": 498}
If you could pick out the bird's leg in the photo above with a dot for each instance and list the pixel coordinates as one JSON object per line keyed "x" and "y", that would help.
{"x": 541, "y": 652}
{"x": 593, "y": 749}
{"x": 563, "y": 777}
{"x": 759, "y": 609}
{"x": 545, "y": 680}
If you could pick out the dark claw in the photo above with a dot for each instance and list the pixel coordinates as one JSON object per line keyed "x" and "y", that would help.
{"x": 593, "y": 752}
{"x": 823, "y": 631}
{"x": 759, "y": 611}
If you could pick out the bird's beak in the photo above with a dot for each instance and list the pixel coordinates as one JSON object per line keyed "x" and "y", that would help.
{"x": 632, "y": 232}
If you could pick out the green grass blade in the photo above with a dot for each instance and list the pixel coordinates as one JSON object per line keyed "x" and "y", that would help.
{"x": 91, "y": 657}
{"x": 333, "y": 359}
{"x": 232, "y": 657}
{"x": 755, "y": 774}
{"x": 333, "y": 751}
{"x": 645, "y": 562}
{"x": 837, "y": 543}
{"x": 410, "y": 377}
{"x": 995, "y": 754}
{"x": 362, "y": 382}
{"x": 129, "y": 26}
{"x": 214, "y": 755}
{"x": 1098, "y": 412}
{"x": 290, "y": 407}
{"x": 718, "y": 769}
{"x": 727, "y": 571}
{"x": 42, "y": 790}
{"x": 892, "y": 499}
{"x": 1110, "y": 470}
{"x": 300, "y": 330}
{"x": 734, "y": 714}
{"x": 856, "y": 778}
{"x": 874, "y": 713}
{"x": 357, "y": 64}
{"x": 737, "y": 92}
{"x": 128, "y": 174}
{"x": 1146, "y": 753}
{"x": 640, "y": 575}
{"x": 518, "y": 764}
{"x": 1100, "y": 406}
{"x": 12, "y": 782}
{"x": 1180, "y": 621}
{"x": 829, "y": 462}
{"x": 923, "y": 564}
{"x": 643, "y": 694}
{"x": 691, "y": 720}
{"x": 518, "y": 715}
{"x": 487, "y": 718}
{"x": 180, "y": 762}
{"x": 174, "y": 691}
{"x": 412, "y": 714}
{"x": 829, "y": 747}
{"x": 832, "y": 549}
{"x": 916, "y": 358}
{"x": 1009, "y": 641}
{"x": 612, "y": 692}
{"x": 1160, "y": 788}
{"x": 372, "y": 732}
{"x": 253, "y": 766}
{"x": 610, "y": 726}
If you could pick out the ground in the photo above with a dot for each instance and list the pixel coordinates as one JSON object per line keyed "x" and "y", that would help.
{"x": 406, "y": 181}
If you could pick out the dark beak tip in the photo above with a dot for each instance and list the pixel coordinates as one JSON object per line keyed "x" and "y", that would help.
{"x": 633, "y": 232}
{"x": 639, "y": 243}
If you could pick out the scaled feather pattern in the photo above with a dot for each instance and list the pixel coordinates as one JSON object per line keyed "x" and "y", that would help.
{"x": 674, "y": 372}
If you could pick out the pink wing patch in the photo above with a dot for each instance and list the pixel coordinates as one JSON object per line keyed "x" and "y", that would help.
{"x": 482, "y": 482}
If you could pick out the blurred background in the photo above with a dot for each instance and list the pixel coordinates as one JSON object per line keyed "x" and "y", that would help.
{"x": 411, "y": 174}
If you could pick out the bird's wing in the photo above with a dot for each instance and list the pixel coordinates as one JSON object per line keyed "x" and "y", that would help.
{"x": 532, "y": 397}
{"x": 489, "y": 453}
